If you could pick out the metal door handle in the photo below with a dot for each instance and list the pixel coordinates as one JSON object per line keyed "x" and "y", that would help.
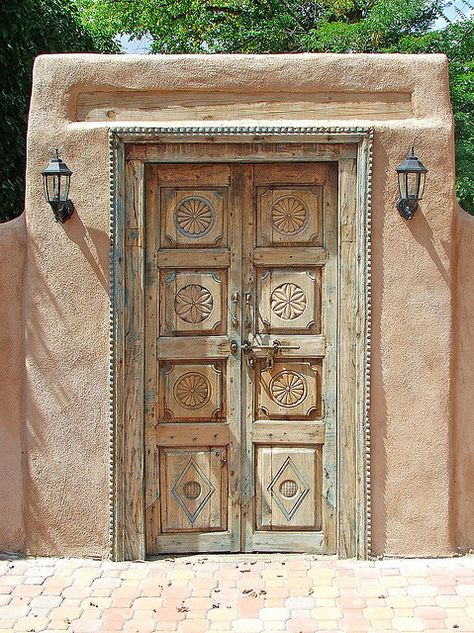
{"x": 248, "y": 310}
{"x": 235, "y": 309}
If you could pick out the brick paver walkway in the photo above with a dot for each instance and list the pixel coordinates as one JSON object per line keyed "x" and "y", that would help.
{"x": 237, "y": 594}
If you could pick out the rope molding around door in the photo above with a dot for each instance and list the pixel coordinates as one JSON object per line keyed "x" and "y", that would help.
{"x": 363, "y": 137}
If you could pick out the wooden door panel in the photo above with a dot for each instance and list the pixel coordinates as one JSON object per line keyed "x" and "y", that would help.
{"x": 288, "y": 485}
{"x": 290, "y": 390}
{"x": 193, "y": 489}
{"x": 288, "y": 300}
{"x": 193, "y": 302}
{"x": 192, "y": 392}
{"x": 289, "y": 216}
{"x": 194, "y": 218}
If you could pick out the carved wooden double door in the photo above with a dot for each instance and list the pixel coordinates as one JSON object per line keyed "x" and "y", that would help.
{"x": 240, "y": 367}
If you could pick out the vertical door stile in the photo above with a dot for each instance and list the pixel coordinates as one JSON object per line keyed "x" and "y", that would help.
{"x": 152, "y": 465}
{"x": 235, "y": 329}
{"x": 133, "y": 439}
{"x": 248, "y": 315}
{"x": 330, "y": 292}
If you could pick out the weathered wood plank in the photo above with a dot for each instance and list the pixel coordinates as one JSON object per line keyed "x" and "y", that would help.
{"x": 175, "y": 348}
{"x": 190, "y": 435}
{"x": 301, "y": 256}
{"x": 152, "y": 457}
{"x": 180, "y": 258}
{"x": 189, "y": 106}
{"x": 133, "y": 396}
{"x": 347, "y": 378}
{"x": 308, "y": 542}
{"x": 218, "y": 150}
{"x": 295, "y": 432}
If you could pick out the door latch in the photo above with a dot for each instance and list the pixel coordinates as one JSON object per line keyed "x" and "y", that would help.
{"x": 272, "y": 350}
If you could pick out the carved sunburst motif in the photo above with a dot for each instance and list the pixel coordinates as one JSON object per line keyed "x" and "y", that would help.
{"x": 193, "y": 303}
{"x": 288, "y": 301}
{"x": 192, "y": 390}
{"x": 289, "y": 215}
{"x": 288, "y": 388}
{"x": 194, "y": 217}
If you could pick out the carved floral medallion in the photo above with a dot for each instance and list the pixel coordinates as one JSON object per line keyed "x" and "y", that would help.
{"x": 193, "y": 303}
{"x": 192, "y": 390}
{"x": 288, "y": 301}
{"x": 288, "y": 388}
{"x": 289, "y": 215}
{"x": 194, "y": 217}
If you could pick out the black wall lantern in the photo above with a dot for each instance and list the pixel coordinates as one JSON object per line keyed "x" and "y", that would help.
{"x": 56, "y": 181}
{"x": 411, "y": 184}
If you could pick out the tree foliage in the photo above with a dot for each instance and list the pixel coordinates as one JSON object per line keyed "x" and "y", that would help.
{"x": 278, "y": 26}
{"x": 27, "y": 29}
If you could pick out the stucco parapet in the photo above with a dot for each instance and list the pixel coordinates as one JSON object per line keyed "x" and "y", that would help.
{"x": 67, "y": 75}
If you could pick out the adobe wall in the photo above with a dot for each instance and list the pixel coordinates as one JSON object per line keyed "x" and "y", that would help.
{"x": 463, "y": 445}
{"x": 417, "y": 484}
{"x": 12, "y": 261}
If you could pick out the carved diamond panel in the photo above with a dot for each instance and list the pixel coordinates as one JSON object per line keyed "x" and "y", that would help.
{"x": 291, "y": 217}
{"x": 290, "y": 390}
{"x": 193, "y": 217}
{"x": 288, "y": 488}
{"x": 192, "y": 302}
{"x": 194, "y": 489}
{"x": 289, "y": 300}
{"x": 191, "y": 392}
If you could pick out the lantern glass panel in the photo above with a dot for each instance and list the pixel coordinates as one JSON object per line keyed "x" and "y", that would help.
{"x": 422, "y": 186}
{"x": 64, "y": 188}
{"x": 52, "y": 187}
{"x": 402, "y": 184}
{"x": 413, "y": 185}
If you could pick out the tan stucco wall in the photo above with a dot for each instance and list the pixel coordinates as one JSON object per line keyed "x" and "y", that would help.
{"x": 65, "y": 414}
{"x": 463, "y": 445}
{"x": 12, "y": 260}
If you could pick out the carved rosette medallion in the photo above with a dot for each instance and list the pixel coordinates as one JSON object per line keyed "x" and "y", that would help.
{"x": 288, "y": 389}
{"x": 193, "y": 303}
{"x": 289, "y": 215}
{"x": 288, "y": 301}
{"x": 194, "y": 216}
{"x": 192, "y": 391}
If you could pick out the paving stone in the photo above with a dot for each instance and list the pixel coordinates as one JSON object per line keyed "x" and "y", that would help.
{"x": 247, "y": 625}
{"x": 46, "y": 602}
{"x": 31, "y": 624}
{"x": 14, "y": 612}
{"x": 407, "y": 625}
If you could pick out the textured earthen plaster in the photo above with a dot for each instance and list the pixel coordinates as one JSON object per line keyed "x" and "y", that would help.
{"x": 463, "y": 445}
{"x": 66, "y": 289}
{"x": 12, "y": 260}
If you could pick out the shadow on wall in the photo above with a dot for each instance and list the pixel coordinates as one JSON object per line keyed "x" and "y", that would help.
{"x": 60, "y": 468}
{"x": 94, "y": 246}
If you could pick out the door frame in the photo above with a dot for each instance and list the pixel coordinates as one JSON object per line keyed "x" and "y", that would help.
{"x": 129, "y": 149}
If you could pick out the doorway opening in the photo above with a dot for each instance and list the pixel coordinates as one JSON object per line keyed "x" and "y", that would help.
{"x": 240, "y": 323}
